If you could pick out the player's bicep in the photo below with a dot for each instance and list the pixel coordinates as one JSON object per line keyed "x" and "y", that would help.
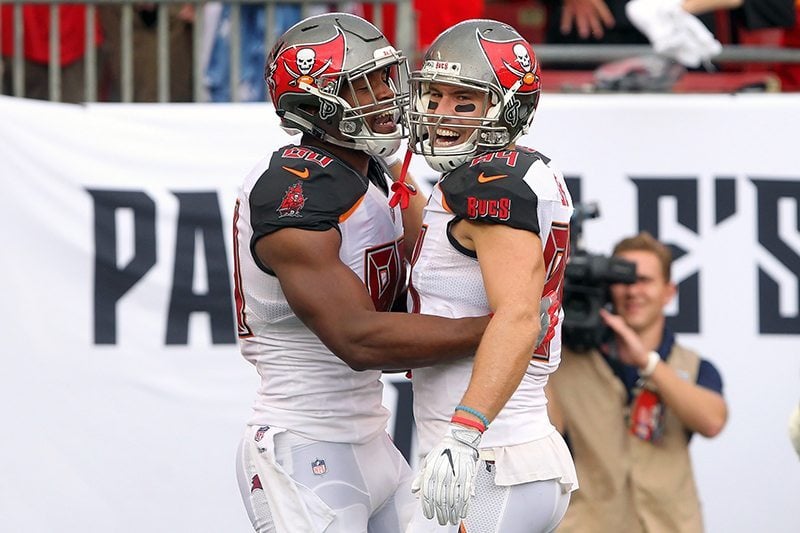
{"x": 511, "y": 265}
{"x": 322, "y": 291}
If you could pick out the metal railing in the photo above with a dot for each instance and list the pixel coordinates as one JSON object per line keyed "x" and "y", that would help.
{"x": 405, "y": 30}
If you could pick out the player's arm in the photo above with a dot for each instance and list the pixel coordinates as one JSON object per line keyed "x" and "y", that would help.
{"x": 700, "y": 409}
{"x": 512, "y": 267}
{"x": 412, "y": 215}
{"x": 333, "y": 302}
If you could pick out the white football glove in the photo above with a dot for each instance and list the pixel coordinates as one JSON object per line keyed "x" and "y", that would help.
{"x": 446, "y": 480}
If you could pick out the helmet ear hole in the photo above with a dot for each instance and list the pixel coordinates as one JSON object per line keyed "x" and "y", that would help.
{"x": 307, "y": 109}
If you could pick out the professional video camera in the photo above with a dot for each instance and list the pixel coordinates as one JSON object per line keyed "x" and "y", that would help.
{"x": 586, "y": 286}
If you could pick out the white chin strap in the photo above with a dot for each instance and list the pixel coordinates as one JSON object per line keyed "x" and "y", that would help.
{"x": 381, "y": 147}
{"x": 378, "y": 145}
{"x": 446, "y": 163}
{"x": 449, "y": 158}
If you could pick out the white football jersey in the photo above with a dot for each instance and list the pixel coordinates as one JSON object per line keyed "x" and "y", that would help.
{"x": 517, "y": 188}
{"x": 304, "y": 386}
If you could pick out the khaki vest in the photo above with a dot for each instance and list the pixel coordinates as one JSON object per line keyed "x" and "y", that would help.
{"x": 627, "y": 485}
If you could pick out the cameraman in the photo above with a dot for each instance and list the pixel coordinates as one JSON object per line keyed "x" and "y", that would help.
{"x": 629, "y": 409}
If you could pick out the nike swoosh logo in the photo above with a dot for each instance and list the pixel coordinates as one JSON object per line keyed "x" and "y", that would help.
{"x": 449, "y": 455}
{"x": 487, "y": 179}
{"x": 302, "y": 174}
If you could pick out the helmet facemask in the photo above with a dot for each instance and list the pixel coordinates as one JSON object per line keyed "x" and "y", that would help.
{"x": 350, "y": 126}
{"x": 357, "y": 120}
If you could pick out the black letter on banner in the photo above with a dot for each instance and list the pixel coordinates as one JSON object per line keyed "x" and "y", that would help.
{"x": 725, "y": 195}
{"x": 403, "y": 417}
{"x": 769, "y": 194}
{"x": 198, "y": 213}
{"x": 111, "y": 283}
{"x": 684, "y": 190}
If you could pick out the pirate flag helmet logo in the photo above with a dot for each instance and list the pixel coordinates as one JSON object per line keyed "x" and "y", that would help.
{"x": 300, "y": 69}
{"x": 516, "y": 69}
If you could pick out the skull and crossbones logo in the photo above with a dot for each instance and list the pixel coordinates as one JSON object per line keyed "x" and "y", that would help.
{"x": 304, "y": 61}
{"x": 523, "y": 59}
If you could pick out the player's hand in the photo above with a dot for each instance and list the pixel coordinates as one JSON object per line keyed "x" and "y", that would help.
{"x": 548, "y": 317}
{"x": 446, "y": 480}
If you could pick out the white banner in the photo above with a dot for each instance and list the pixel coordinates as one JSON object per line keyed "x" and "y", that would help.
{"x": 122, "y": 394}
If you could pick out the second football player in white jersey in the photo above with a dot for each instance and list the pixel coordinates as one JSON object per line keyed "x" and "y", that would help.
{"x": 495, "y": 239}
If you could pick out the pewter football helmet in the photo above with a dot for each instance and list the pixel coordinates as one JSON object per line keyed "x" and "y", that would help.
{"x": 316, "y": 62}
{"x": 491, "y": 58}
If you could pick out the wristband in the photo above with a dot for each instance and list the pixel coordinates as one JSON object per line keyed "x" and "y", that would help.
{"x": 652, "y": 361}
{"x": 474, "y": 412}
{"x": 468, "y": 422}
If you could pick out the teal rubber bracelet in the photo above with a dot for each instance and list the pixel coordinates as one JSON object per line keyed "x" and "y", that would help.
{"x": 474, "y": 412}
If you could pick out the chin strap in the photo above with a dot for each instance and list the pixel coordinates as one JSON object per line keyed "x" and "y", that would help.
{"x": 402, "y": 190}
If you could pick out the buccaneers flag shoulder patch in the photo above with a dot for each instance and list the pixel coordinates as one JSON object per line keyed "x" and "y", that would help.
{"x": 293, "y": 202}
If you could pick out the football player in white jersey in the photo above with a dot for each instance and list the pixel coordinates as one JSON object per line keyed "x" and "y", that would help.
{"x": 319, "y": 256}
{"x": 494, "y": 239}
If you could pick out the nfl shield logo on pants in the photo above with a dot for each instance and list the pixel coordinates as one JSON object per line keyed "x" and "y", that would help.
{"x": 260, "y": 433}
{"x": 318, "y": 467}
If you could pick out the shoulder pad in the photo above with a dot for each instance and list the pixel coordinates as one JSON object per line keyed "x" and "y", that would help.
{"x": 303, "y": 188}
{"x": 491, "y": 188}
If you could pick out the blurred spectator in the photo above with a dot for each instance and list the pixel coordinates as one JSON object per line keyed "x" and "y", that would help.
{"x": 671, "y": 26}
{"x": 432, "y": 18}
{"x": 145, "y": 52}
{"x": 595, "y": 21}
{"x": 36, "y": 49}
{"x": 674, "y": 31}
{"x": 789, "y": 74}
{"x": 762, "y": 15}
{"x": 252, "y": 18}
{"x": 606, "y": 20}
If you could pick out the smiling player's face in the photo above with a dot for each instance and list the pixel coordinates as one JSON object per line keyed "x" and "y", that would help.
{"x": 372, "y": 90}
{"x": 454, "y": 101}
